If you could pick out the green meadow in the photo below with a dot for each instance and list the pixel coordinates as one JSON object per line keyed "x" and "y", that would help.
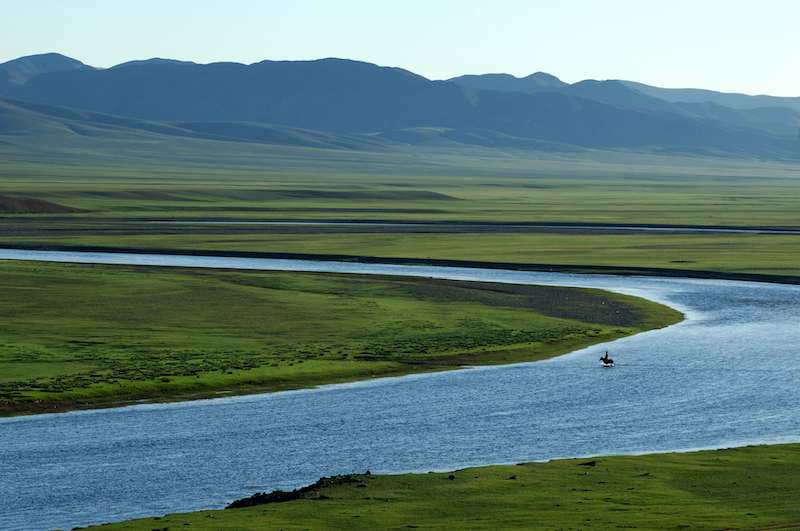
{"x": 490, "y": 185}
{"x": 85, "y": 336}
{"x": 744, "y": 488}
{"x": 124, "y": 196}
{"x": 726, "y": 253}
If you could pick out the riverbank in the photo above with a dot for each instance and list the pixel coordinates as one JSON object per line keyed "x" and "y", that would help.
{"x": 752, "y": 487}
{"x": 363, "y": 259}
{"x": 88, "y": 336}
{"x": 679, "y": 388}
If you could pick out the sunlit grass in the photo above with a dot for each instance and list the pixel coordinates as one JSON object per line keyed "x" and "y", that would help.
{"x": 82, "y": 335}
{"x": 745, "y": 488}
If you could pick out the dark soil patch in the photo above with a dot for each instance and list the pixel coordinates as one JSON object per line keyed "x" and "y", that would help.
{"x": 580, "y": 304}
{"x": 27, "y": 205}
{"x": 309, "y": 491}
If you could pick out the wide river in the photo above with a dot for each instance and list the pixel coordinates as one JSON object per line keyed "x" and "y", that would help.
{"x": 727, "y": 376}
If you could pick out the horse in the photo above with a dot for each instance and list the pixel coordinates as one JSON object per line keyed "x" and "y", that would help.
{"x": 606, "y": 361}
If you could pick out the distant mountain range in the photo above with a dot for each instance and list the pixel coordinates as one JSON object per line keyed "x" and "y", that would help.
{"x": 345, "y": 104}
{"x": 770, "y": 113}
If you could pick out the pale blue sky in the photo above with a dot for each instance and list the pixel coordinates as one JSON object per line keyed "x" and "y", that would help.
{"x": 734, "y": 45}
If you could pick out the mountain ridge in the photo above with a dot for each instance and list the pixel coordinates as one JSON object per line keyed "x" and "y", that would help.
{"x": 733, "y": 100}
{"x": 344, "y": 97}
{"x": 20, "y": 70}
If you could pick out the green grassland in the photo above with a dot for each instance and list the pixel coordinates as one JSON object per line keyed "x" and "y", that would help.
{"x": 84, "y": 335}
{"x": 122, "y": 192}
{"x": 726, "y": 253}
{"x": 228, "y": 179}
{"x": 480, "y": 186}
{"x": 744, "y": 488}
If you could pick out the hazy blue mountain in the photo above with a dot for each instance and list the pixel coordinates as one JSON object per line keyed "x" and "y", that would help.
{"x": 758, "y": 112}
{"x": 343, "y": 97}
{"x": 536, "y": 82}
{"x": 776, "y": 120}
{"x": 609, "y": 92}
{"x": 36, "y": 124}
{"x": 727, "y": 99}
{"x": 34, "y": 119}
{"x": 33, "y": 123}
{"x": 153, "y": 61}
{"x": 615, "y": 88}
{"x": 330, "y": 94}
{"x": 617, "y": 94}
{"x": 19, "y": 71}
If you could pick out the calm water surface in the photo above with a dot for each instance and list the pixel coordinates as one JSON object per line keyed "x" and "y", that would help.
{"x": 726, "y": 376}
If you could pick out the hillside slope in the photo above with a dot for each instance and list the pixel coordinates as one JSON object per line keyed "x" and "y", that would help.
{"x": 773, "y": 115}
{"x": 727, "y": 99}
{"x": 43, "y": 125}
{"x": 349, "y": 97}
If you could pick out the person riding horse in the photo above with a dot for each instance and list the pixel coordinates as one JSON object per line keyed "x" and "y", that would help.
{"x": 605, "y": 360}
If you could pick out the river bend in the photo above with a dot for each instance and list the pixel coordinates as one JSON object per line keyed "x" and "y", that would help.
{"x": 727, "y": 376}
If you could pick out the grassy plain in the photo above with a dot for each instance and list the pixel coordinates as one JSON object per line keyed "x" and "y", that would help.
{"x": 744, "y": 488}
{"x": 82, "y": 335}
{"x": 121, "y": 195}
{"x": 234, "y": 180}
{"x": 431, "y": 186}
{"x": 727, "y": 253}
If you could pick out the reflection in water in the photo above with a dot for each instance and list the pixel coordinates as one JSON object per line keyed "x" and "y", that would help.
{"x": 726, "y": 376}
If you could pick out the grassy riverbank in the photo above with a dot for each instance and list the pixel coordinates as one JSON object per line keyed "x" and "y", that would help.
{"x": 120, "y": 198}
{"x": 745, "y": 254}
{"x": 744, "y": 488}
{"x": 87, "y": 336}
